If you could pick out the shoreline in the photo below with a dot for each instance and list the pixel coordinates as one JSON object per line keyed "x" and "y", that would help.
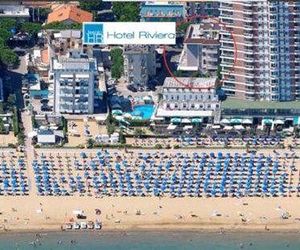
{"x": 218, "y": 229}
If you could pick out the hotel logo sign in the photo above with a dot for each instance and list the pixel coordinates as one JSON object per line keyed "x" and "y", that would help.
{"x": 93, "y": 33}
{"x": 115, "y": 33}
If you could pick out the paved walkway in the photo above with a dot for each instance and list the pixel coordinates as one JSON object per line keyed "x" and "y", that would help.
{"x": 29, "y": 151}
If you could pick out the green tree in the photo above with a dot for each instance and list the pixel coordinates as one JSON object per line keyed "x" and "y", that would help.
{"x": 138, "y": 132}
{"x": 15, "y": 122}
{"x": 219, "y": 70}
{"x": 117, "y": 67}
{"x": 8, "y": 23}
{"x": 62, "y": 26}
{"x": 1, "y": 108}
{"x": 43, "y": 12}
{"x": 90, "y": 143}
{"x": 2, "y": 128}
{"x": 126, "y": 11}
{"x": 122, "y": 138}
{"x": 195, "y": 74}
{"x": 178, "y": 73}
{"x": 90, "y": 5}
{"x": 9, "y": 57}
{"x": 31, "y": 28}
{"x": 4, "y": 35}
{"x": 33, "y": 121}
{"x": 64, "y": 122}
{"x": 110, "y": 124}
{"x": 11, "y": 101}
{"x": 183, "y": 27}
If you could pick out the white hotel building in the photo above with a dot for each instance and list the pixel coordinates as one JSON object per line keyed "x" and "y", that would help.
{"x": 74, "y": 81}
{"x": 267, "y": 36}
{"x": 191, "y": 98}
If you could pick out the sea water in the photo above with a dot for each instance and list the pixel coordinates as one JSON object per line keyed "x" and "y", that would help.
{"x": 151, "y": 240}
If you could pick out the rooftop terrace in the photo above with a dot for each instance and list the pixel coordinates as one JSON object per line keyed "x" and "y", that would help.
{"x": 231, "y": 103}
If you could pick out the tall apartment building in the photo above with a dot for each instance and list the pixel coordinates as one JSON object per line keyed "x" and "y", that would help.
{"x": 267, "y": 36}
{"x": 205, "y": 8}
{"x": 74, "y": 80}
{"x": 139, "y": 63}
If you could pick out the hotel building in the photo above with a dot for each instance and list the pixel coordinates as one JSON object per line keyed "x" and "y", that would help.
{"x": 267, "y": 41}
{"x": 74, "y": 80}
{"x": 191, "y": 98}
{"x": 201, "y": 48}
{"x": 139, "y": 63}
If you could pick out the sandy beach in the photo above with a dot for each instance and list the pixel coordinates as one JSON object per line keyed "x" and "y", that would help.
{"x": 50, "y": 213}
{"x": 44, "y": 213}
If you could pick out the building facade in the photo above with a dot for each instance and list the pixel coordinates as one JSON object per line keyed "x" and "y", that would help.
{"x": 190, "y": 98}
{"x": 139, "y": 64}
{"x": 205, "y": 8}
{"x": 267, "y": 45}
{"x": 162, "y": 11}
{"x": 201, "y": 48}
{"x": 74, "y": 80}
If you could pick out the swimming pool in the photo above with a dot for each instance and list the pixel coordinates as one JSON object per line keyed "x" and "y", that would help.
{"x": 145, "y": 111}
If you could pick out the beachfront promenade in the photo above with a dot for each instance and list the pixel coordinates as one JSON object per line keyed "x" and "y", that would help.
{"x": 135, "y": 187}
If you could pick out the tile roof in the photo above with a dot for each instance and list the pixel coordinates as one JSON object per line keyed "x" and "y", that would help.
{"x": 69, "y": 12}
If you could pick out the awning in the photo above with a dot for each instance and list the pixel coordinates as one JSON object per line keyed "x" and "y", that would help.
{"x": 188, "y": 127}
{"x": 117, "y": 112}
{"x": 296, "y": 120}
{"x": 175, "y": 120}
{"x": 224, "y": 121}
{"x": 186, "y": 121}
{"x": 267, "y": 121}
{"x": 137, "y": 118}
{"x": 236, "y": 121}
{"x": 147, "y": 98}
{"x": 119, "y": 118}
{"x": 239, "y": 127}
{"x": 228, "y": 127}
{"x": 197, "y": 120}
{"x": 279, "y": 122}
{"x": 247, "y": 121}
{"x": 171, "y": 127}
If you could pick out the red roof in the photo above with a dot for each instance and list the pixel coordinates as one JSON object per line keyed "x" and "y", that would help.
{"x": 69, "y": 12}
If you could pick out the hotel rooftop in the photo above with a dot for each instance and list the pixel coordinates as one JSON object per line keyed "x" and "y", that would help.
{"x": 80, "y": 64}
{"x": 204, "y": 33}
{"x": 184, "y": 82}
